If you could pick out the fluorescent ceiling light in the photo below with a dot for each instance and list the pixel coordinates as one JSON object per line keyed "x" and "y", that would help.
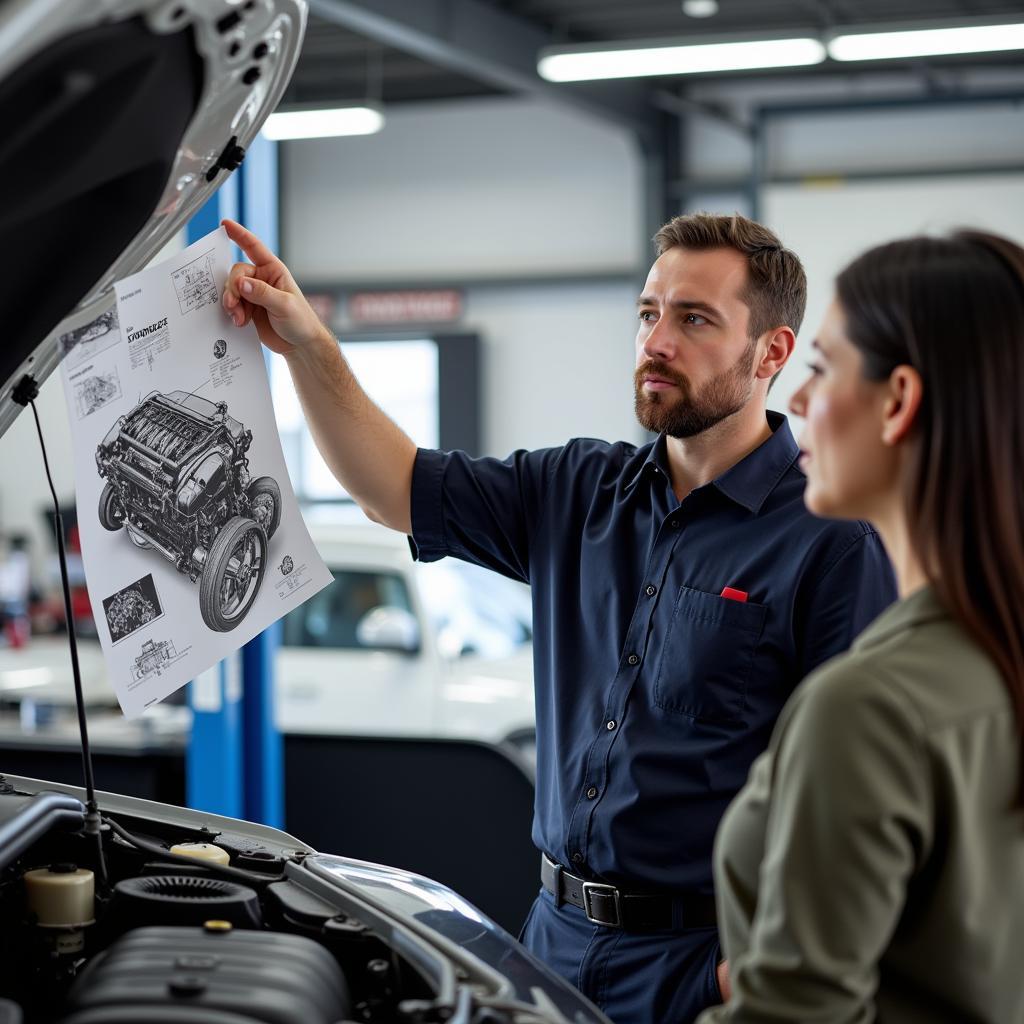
{"x": 927, "y": 42}
{"x": 575, "y": 65}
{"x": 323, "y": 123}
{"x": 700, "y": 8}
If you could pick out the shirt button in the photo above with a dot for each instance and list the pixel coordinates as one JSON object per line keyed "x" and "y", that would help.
{"x": 674, "y": 523}
{"x": 650, "y": 590}
{"x": 633, "y": 660}
{"x": 577, "y": 858}
{"x": 610, "y": 725}
{"x": 592, "y": 792}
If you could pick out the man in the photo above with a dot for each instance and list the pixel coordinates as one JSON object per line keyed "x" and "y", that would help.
{"x": 680, "y": 592}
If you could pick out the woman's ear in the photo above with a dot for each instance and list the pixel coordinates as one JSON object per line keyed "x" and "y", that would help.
{"x": 904, "y": 391}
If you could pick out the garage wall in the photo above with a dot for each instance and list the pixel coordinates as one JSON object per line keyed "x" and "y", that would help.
{"x": 882, "y": 138}
{"x": 558, "y": 362}
{"x": 464, "y": 190}
{"x": 828, "y": 218}
{"x": 562, "y": 196}
{"x": 828, "y": 226}
{"x": 452, "y": 193}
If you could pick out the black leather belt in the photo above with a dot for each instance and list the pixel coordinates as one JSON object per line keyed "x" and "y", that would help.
{"x": 609, "y": 906}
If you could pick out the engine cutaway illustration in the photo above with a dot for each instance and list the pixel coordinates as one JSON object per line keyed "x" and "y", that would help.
{"x": 131, "y": 608}
{"x": 178, "y": 482}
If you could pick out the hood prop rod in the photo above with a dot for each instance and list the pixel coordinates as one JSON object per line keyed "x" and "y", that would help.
{"x": 24, "y": 394}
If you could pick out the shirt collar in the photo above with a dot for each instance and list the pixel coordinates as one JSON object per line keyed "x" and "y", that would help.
{"x": 755, "y": 476}
{"x": 655, "y": 464}
{"x": 752, "y": 479}
{"x": 919, "y": 607}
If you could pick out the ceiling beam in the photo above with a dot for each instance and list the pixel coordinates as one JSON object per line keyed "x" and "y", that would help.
{"x": 499, "y": 49}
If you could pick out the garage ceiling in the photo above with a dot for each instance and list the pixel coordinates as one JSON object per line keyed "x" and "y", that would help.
{"x": 338, "y": 64}
{"x": 403, "y": 51}
{"x": 603, "y": 20}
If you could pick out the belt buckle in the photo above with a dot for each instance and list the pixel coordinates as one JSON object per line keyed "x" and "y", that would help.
{"x": 599, "y": 888}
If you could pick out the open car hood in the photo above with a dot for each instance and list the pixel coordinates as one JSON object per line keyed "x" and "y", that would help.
{"x": 404, "y": 948}
{"x": 122, "y": 117}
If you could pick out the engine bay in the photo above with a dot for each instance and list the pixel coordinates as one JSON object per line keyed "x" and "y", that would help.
{"x": 190, "y": 925}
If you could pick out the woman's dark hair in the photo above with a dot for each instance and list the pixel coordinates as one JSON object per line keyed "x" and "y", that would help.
{"x": 953, "y": 308}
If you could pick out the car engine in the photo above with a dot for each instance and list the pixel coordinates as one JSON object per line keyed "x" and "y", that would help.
{"x": 178, "y": 482}
{"x": 190, "y": 926}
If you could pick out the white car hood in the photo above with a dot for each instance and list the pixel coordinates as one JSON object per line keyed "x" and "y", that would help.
{"x": 122, "y": 119}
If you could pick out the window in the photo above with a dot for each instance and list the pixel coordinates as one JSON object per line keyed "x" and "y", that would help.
{"x": 475, "y": 611}
{"x": 400, "y": 376}
{"x": 331, "y": 618}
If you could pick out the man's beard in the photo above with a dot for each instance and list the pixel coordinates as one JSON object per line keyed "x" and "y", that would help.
{"x": 691, "y": 413}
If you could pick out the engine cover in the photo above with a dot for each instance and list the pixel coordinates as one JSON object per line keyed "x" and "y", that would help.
{"x": 193, "y": 975}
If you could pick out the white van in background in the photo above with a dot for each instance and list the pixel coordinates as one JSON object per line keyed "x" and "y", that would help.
{"x": 397, "y": 647}
{"x": 392, "y": 647}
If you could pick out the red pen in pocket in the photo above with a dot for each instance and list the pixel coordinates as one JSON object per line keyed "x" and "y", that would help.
{"x": 732, "y": 594}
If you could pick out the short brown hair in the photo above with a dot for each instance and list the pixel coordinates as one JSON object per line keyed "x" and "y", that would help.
{"x": 776, "y": 291}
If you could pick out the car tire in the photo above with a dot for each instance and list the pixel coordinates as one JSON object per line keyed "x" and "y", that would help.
{"x": 265, "y": 503}
{"x": 111, "y": 511}
{"x": 221, "y": 605}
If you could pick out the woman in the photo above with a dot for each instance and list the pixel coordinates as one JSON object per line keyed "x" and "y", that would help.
{"x": 873, "y": 866}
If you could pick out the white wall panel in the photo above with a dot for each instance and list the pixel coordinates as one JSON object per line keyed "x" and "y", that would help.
{"x": 886, "y": 138}
{"x": 558, "y": 363}
{"x": 897, "y": 139}
{"x": 829, "y": 226}
{"x": 487, "y": 188}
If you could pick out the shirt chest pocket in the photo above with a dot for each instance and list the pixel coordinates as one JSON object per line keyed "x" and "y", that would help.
{"x": 708, "y": 656}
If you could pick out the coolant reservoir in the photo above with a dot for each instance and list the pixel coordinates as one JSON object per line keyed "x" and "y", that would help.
{"x": 62, "y": 897}
{"x": 202, "y": 851}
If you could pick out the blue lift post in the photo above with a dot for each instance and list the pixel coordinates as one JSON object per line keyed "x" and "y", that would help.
{"x": 234, "y": 762}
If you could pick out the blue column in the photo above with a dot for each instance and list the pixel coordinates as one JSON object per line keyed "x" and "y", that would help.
{"x": 213, "y": 762}
{"x": 223, "y": 203}
{"x": 234, "y": 764}
{"x": 262, "y": 758}
{"x": 258, "y": 195}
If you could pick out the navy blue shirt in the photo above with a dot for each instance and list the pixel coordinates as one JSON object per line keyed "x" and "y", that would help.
{"x": 654, "y": 692}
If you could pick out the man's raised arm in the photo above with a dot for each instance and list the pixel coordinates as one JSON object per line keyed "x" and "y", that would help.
{"x": 370, "y": 456}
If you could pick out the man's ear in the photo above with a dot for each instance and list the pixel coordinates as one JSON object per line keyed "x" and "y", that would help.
{"x": 780, "y": 343}
{"x": 904, "y": 391}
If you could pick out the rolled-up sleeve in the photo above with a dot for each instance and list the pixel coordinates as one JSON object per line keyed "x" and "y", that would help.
{"x": 482, "y": 510}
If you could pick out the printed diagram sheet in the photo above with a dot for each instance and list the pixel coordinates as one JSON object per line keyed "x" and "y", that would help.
{"x": 191, "y": 535}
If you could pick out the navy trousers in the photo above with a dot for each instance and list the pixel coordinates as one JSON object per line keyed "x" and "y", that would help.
{"x": 661, "y": 977}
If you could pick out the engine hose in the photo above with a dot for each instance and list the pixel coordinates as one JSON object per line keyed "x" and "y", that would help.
{"x": 240, "y": 874}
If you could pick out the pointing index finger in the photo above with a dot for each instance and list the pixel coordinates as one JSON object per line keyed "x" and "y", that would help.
{"x": 248, "y": 243}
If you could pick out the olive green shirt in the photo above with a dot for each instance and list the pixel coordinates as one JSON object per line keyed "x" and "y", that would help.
{"x": 873, "y": 866}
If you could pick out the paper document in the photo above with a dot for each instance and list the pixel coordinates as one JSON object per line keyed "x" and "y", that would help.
{"x": 191, "y": 535}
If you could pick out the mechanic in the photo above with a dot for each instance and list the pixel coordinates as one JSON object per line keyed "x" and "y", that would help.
{"x": 680, "y": 589}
